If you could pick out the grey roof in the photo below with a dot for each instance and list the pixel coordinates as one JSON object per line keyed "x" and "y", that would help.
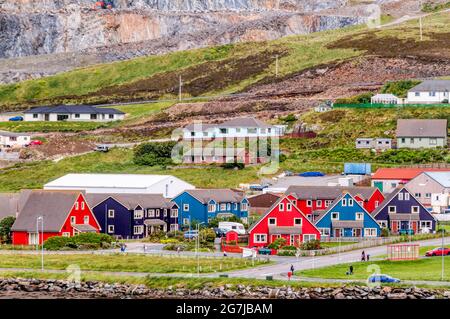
{"x": 131, "y": 201}
{"x": 285, "y": 230}
{"x": 12, "y": 203}
{"x": 154, "y": 222}
{"x": 54, "y": 206}
{"x": 13, "y": 134}
{"x": 328, "y": 192}
{"x": 404, "y": 216}
{"x": 386, "y": 201}
{"x": 442, "y": 178}
{"x": 85, "y": 228}
{"x": 432, "y": 86}
{"x": 217, "y": 195}
{"x": 347, "y": 223}
{"x": 237, "y": 122}
{"x": 422, "y": 128}
{"x": 73, "y": 109}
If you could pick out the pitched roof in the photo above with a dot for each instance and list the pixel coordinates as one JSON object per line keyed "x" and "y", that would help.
{"x": 85, "y": 228}
{"x": 421, "y": 128}
{"x": 217, "y": 195}
{"x": 283, "y": 230}
{"x": 386, "y": 201}
{"x": 12, "y": 203}
{"x": 53, "y": 206}
{"x": 384, "y": 96}
{"x": 13, "y": 134}
{"x": 329, "y": 192}
{"x": 263, "y": 200}
{"x": 131, "y": 201}
{"x": 73, "y": 109}
{"x": 442, "y": 178}
{"x": 403, "y": 173}
{"x": 347, "y": 223}
{"x": 432, "y": 86}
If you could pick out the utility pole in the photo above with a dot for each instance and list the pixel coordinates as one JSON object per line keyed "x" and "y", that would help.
{"x": 420, "y": 21}
{"x": 442, "y": 256}
{"x": 179, "y": 89}
{"x": 276, "y": 65}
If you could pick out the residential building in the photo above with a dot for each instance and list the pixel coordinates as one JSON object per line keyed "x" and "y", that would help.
{"x": 133, "y": 216}
{"x": 385, "y": 99}
{"x": 73, "y": 113}
{"x": 388, "y": 179}
{"x": 202, "y": 205}
{"x": 430, "y": 91}
{"x": 310, "y": 199}
{"x": 60, "y": 213}
{"x": 167, "y": 185}
{"x": 401, "y": 212}
{"x": 345, "y": 217}
{"x": 14, "y": 140}
{"x": 260, "y": 203}
{"x": 282, "y": 220}
{"x": 432, "y": 190}
{"x": 373, "y": 143}
{"x": 418, "y": 133}
{"x": 12, "y": 203}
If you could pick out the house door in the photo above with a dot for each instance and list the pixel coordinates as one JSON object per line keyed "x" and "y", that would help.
{"x": 356, "y": 232}
{"x": 292, "y": 240}
{"x": 404, "y": 225}
{"x": 414, "y": 227}
{"x": 47, "y": 117}
{"x": 394, "y": 226}
{"x": 337, "y": 232}
{"x": 33, "y": 239}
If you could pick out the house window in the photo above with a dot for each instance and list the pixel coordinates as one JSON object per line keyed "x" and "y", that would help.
{"x": 308, "y": 237}
{"x": 77, "y": 206}
{"x": 370, "y": 232}
{"x": 297, "y": 221}
{"x": 251, "y": 131}
{"x": 392, "y": 209}
{"x": 86, "y": 219}
{"x": 382, "y": 223}
{"x": 411, "y": 140}
{"x": 157, "y": 213}
{"x": 417, "y": 195}
{"x": 111, "y": 116}
{"x": 223, "y": 207}
{"x": 186, "y": 221}
{"x": 281, "y": 207}
{"x": 82, "y": 205}
{"x": 174, "y": 213}
{"x": 344, "y": 202}
{"x": 263, "y": 131}
{"x": 73, "y": 219}
{"x": 393, "y": 185}
{"x": 151, "y": 213}
{"x": 138, "y": 230}
{"x": 400, "y": 196}
{"x": 327, "y": 203}
{"x": 324, "y": 232}
{"x": 406, "y": 196}
{"x": 205, "y": 134}
{"x": 377, "y": 203}
{"x": 238, "y": 130}
{"x": 211, "y": 208}
{"x": 433, "y": 141}
{"x": 77, "y": 116}
{"x": 223, "y": 130}
{"x": 432, "y": 93}
{"x": 319, "y": 203}
{"x": 111, "y": 213}
{"x": 359, "y": 216}
{"x": 427, "y": 195}
{"x": 334, "y": 216}
{"x": 35, "y": 116}
{"x": 425, "y": 224}
{"x": 414, "y": 209}
{"x": 93, "y": 116}
{"x": 228, "y": 206}
{"x": 350, "y": 202}
{"x": 185, "y": 207}
{"x": 174, "y": 227}
{"x": 235, "y": 206}
{"x": 138, "y": 214}
{"x": 111, "y": 229}
{"x": 66, "y": 234}
{"x": 416, "y": 93}
{"x": 309, "y": 203}
{"x": 244, "y": 207}
{"x": 289, "y": 207}
{"x": 260, "y": 238}
{"x": 272, "y": 221}
{"x": 165, "y": 212}
{"x": 192, "y": 133}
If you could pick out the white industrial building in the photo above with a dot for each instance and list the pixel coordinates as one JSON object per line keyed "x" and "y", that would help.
{"x": 167, "y": 185}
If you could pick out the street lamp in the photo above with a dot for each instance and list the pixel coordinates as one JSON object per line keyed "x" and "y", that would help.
{"x": 40, "y": 219}
{"x": 198, "y": 248}
{"x": 442, "y": 255}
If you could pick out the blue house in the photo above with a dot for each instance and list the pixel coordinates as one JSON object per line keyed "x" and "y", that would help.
{"x": 402, "y": 213}
{"x": 347, "y": 218}
{"x": 202, "y": 205}
{"x": 133, "y": 216}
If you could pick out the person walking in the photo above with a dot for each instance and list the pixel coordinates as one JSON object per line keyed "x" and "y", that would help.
{"x": 292, "y": 269}
{"x": 363, "y": 256}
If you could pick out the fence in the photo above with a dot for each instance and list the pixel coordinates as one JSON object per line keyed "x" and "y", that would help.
{"x": 385, "y": 106}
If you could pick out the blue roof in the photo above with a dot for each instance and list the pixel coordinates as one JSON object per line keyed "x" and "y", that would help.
{"x": 73, "y": 109}
{"x": 442, "y": 178}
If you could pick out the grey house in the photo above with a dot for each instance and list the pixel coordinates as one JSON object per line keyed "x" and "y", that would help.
{"x": 421, "y": 133}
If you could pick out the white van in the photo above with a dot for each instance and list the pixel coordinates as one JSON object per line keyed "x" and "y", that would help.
{"x": 237, "y": 227}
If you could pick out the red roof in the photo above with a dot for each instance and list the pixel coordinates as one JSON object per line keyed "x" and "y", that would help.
{"x": 403, "y": 173}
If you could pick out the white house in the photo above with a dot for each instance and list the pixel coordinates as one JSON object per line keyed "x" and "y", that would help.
{"x": 431, "y": 91}
{"x": 245, "y": 127}
{"x": 167, "y": 185}
{"x": 421, "y": 133}
{"x": 385, "y": 99}
{"x": 73, "y": 113}
{"x": 14, "y": 140}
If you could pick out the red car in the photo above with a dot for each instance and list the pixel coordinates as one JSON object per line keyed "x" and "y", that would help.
{"x": 35, "y": 142}
{"x": 438, "y": 252}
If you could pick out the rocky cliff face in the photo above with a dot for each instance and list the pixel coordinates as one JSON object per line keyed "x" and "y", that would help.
{"x": 73, "y": 33}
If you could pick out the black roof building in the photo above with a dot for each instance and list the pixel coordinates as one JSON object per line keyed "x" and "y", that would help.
{"x": 73, "y": 109}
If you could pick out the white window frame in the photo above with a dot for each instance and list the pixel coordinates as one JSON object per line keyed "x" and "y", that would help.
{"x": 260, "y": 238}
{"x": 350, "y": 202}
{"x": 223, "y": 206}
{"x": 77, "y": 206}
{"x": 309, "y": 237}
{"x": 334, "y": 218}
{"x": 138, "y": 214}
{"x": 82, "y": 205}
{"x": 415, "y": 208}
{"x": 426, "y": 223}
{"x": 151, "y": 213}
{"x": 309, "y": 203}
{"x": 110, "y": 229}
{"x": 173, "y": 227}
{"x": 319, "y": 203}
{"x": 327, "y": 203}
{"x": 299, "y": 224}
{"x": 73, "y": 220}
{"x": 66, "y": 234}
{"x": 111, "y": 213}
{"x": 174, "y": 213}
{"x": 271, "y": 218}
{"x": 344, "y": 202}
{"x": 370, "y": 232}
{"x": 138, "y": 229}
{"x": 86, "y": 219}
{"x": 211, "y": 208}
{"x": 400, "y": 196}
{"x": 288, "y": 207}
{"x": 377, "y": 203}
{"x": 281, "y": 207}
{"x": 325, "y": 232}
{"x": 406, "y": 196}
{"x": 383, "y": 223}
{"x": 244, "y": 207}
{"x": 185, "y": 207}
{"x": 359, "y": 216}
{"x": 392, "y": 207}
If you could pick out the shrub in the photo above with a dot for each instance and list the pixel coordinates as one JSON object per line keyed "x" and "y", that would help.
{"x": 311, "y": 245}
{"x": 233, "y": 165}
{"x": 385, "y": 232}
{"x": 357, "y": 99}
{"x": 207, "y": 234}
{"x": 153, "y": 154}
{"x": 81, "y": 241}
{"x": 399, "y": 88}
{"x": 277, "y": 243}
{"x": 56, "y": 243}
{"x": 5, "y": 229}
{"x": 286, "y": 252}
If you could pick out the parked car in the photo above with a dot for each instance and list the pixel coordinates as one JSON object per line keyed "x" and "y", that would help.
{"x": 237, "y": 227}
{"x": 191, "y": 234}
{"x": 220, "y": 232}
{"x": 257, "y": 187}
{"x": 439, "y": 251}
{"x": 16, "y": 119}
{"x": 102, "y": 148}
{"x": 383, "y": 278}
{"x": 35, "y": 142}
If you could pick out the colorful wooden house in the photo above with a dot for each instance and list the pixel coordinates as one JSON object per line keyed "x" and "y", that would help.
{"x": 282, "y": 220}
{"x": 60, "y": 213}
{"x": 346, "y": 217}
{"x": 401, "y": 212}
{"x": 202, "y": 205}
{"x": 310, "y": 199}
{"x": 134, "y": 216}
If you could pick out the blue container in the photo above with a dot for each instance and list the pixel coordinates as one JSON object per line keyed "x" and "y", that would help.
{"x": 357, "y": 169}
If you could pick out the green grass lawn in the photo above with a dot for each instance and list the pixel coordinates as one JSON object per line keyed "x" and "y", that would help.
{"x": 127, "y": 263}
{"x": 421, "y": 269}
{"x": 336, "y": 244}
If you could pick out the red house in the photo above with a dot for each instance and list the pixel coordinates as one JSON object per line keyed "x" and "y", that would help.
{"x": 62, "y": 213}
{"x": 311, "y": 199}
{"x": 283, "y": 220}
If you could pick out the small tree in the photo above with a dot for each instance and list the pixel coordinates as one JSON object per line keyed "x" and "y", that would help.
{"x": 277, "y": 243}
{"x": 5, "y": 229}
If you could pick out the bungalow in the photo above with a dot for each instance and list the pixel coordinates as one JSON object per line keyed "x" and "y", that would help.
{"x": 14, "y": 140}
{"x": 373, "y": 143}
{"x": 73, "y": 113}
{"x": 133, "y": 216}
{"x": 282, "y": 220}
{"x": 430, "y": 91}
{"x": 421, "y": 133}
{"x": 60, "y": 213}
{"x": 387, "y": 179}
{"x": 202, "y": 205}
{"x": 402, "y": 212}
{"x": 432, "y": 190}
{"x": 319, "y": 198}
{"x": 347, "y": 218}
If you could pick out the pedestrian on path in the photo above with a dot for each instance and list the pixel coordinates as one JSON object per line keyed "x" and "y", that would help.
{"x": 289, "y": 275}
{"x": 178, "y": 250}
{"x": 367, "y": 257}
{"x": 292, "y": 268}
{"x": 363, "y": 256}
{"x": 145, "y": 248}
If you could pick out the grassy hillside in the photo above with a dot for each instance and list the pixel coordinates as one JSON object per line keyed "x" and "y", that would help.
{"x": 224, "y": 69}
